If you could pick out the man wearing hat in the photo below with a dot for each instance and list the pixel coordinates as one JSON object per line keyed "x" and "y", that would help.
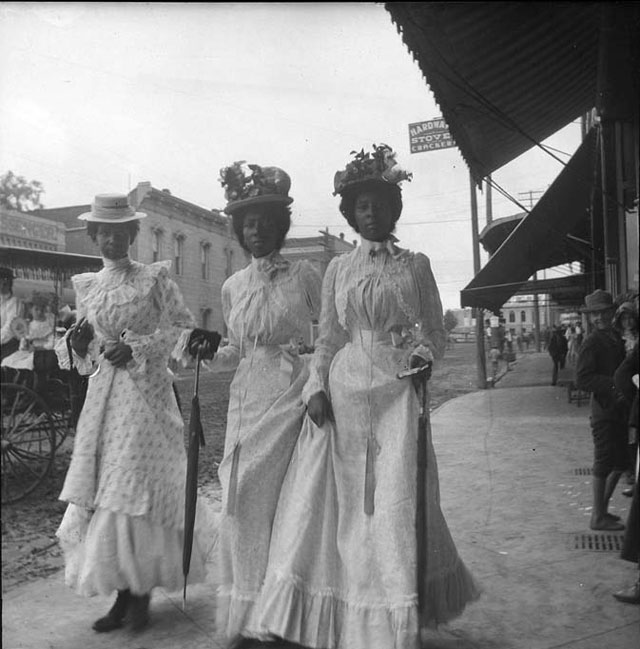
{"x": 10, "y": 308}
{"x": 599, "y": 357}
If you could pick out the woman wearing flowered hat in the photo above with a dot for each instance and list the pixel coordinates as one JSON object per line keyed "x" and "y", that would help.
{"x": 267, "y": 307}
{"x": 342, "y": 569}
{"x": 123, "y": 528}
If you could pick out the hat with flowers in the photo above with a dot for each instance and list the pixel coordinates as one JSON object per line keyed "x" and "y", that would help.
{"x": 379, "y": 165}
{"x": 246, "y": 185}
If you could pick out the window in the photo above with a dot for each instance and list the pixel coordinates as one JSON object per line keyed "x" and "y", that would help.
{"x": 178, "y": 254}
{"x": 512, "y": 316}
{"x": 156, "y": 245}
{"x": 205, "y": 317}
{"x": 205, "y": 249}
{"x": 523, "y": 316}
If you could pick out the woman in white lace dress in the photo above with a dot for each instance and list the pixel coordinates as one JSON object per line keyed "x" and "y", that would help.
{"x": 268, "y": 306}
{"x": 342, "y": 568}
{"x": 123, "y": 528}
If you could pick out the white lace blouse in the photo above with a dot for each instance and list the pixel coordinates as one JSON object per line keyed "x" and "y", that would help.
{"x": 380, "y": 288}
{"x": 270, "y": 302}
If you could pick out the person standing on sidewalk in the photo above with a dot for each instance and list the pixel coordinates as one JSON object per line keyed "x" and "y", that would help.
{"x": 557, "y": 348}
{"x": 343, "y": 562}
{"x": 268, "y": 307}
{"x": 123, "y": 528}
{"x": 626, "y": 379}
{"x": 600, "y": 355}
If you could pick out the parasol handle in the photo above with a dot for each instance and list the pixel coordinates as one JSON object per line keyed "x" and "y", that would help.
{"x": 415, "y": 371}
{"x": 196, "y": 383}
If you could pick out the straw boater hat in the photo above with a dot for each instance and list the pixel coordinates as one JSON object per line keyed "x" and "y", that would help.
{"x": 379, "y": 166}
{"x": 247, "y": 185}
{"x": 599, "y": 300}
{"x": 111, "y": 208}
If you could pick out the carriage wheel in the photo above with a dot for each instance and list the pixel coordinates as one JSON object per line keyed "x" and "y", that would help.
{"x": 28, "y": 441}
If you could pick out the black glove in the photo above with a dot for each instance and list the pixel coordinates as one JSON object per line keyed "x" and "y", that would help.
{"x": 208, "y": 340}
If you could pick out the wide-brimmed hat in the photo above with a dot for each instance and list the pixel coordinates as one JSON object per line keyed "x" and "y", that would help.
{"x": 599, "y": 300}
{"x": 625, "y": 307}
{"x": 111, "y": 208}
{"x": 378, "y": 166}
{"x": 247, "y": 185}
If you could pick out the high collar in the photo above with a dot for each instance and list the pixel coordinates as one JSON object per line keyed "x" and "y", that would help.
{"x": 372, "y": 248}
{"x": 115, "y": 265}
{"x": 270, "y": 264}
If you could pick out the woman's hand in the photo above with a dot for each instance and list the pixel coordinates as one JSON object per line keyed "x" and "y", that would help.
{"x": 205, "y": 341}
{"x": 319, "y": 409}
{"x": 81, "y": 335}
{"x": 420, "y": 357}
{"x": 119, "y": 354}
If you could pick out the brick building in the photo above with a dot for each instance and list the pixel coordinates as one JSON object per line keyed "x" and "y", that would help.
{"x": 318, "y": 250}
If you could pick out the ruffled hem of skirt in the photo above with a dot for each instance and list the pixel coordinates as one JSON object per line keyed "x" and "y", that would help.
{"x": 236, "y": 614}
{"x": 106, "y": 551}
{"x": 324, "y": 619}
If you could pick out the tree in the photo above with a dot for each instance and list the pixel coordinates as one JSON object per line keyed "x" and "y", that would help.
{"x": 450, "y": 321}
{"x": 17, "y": 193}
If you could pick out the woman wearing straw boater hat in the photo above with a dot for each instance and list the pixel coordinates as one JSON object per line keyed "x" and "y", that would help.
{"x": 123, "y": 528}
{"x": 600, "y": 355}
{"x": 268, "y": 306}
{"x": 344, "y": 553}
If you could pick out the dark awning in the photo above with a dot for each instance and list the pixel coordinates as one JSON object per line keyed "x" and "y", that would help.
{"x": 48, "y": 264}
{"x": 565, "y": 291}
{"x": 506, "y": 75}
{"x": 540, "y": 240}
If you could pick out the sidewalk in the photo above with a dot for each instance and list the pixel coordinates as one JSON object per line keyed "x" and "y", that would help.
{"x": 515, "y": 484}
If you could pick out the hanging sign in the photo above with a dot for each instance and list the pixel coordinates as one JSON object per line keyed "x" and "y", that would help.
{"x": 430, "y": 135}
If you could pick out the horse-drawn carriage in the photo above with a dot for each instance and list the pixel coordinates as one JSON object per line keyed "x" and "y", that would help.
{"x": 39, "y": 406}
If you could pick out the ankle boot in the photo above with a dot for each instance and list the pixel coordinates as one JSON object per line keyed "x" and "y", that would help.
{"x": 139, "y": 611}
{"x": 114, "y": 618}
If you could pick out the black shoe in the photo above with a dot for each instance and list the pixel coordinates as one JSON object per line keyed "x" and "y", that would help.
{"x": 629, "y": 596}
{"x": 115, "y": 617}
{"x": 139, "y": 611}
{"x": 628, "y": 492}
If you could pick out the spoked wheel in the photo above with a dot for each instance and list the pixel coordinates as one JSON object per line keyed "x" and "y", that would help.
{"x": 28, "y": 441}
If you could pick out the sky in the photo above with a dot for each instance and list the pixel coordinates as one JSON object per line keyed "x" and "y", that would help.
{"x": 97, "y": 97}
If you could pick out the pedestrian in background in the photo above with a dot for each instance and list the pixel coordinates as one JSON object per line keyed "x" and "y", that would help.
{"x": 10, "y": 308}
{"x": 626, "y": 322}
{"x": 557, "y": 349}
{"x": 601, "y": 354}
{"x": 626, "y": 380}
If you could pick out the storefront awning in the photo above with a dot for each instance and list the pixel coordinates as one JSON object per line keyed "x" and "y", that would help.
{"x": 543, "y": 238}
{"x": 506, "y": 75}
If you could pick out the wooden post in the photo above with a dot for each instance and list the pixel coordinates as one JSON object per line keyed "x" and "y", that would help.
{"x": 536, "y": 312}
{"x": 478, "y": 313}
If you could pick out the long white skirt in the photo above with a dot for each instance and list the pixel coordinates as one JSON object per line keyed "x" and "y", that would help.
{"x": 106, "y": 551}
{"x": 338, "y": 576}
{"x": 263, "y": 424}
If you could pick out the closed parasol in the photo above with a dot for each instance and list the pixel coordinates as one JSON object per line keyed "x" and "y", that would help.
{"x": 196, "y": 439}
{"x": 421, "y": 375}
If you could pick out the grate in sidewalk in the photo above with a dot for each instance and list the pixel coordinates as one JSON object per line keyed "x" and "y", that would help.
{"x": 582, "y": 471}
{"x": 598, "y": 542}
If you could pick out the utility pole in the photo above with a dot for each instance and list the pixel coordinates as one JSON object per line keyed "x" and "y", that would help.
{"x": 478, "y": 313}
{"x": 536, "y": 305}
